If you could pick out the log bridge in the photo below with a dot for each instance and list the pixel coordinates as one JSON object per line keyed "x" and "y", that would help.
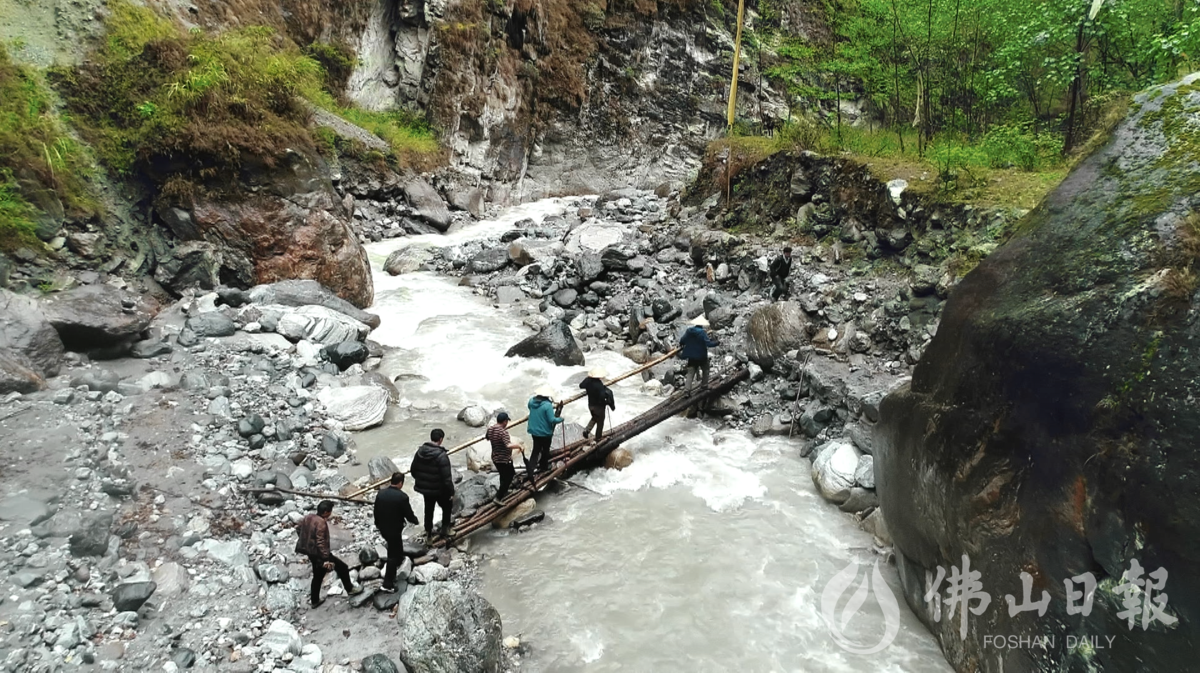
{"x": 589, "y": 453}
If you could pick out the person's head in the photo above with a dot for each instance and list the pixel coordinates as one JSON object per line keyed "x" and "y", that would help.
{"x": 502, "y": 419}
{"x": 787, "y": 252}
{"x": 437, "y": 436}
{"x": 325, "y": 508}
{"x": 699, "y": 321}
{"x": 397, "y": 479}
{"x": 546, "y": 391}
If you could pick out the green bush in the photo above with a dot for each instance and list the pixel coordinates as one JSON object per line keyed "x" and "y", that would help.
{"x": 1010, "y": 147}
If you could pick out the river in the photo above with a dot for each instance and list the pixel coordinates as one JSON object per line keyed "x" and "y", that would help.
{"x": 709, "y": 553}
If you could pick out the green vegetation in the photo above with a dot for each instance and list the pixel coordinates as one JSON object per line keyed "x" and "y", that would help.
{"x": 198, "y": 106}
{"x": 39, "y": 160}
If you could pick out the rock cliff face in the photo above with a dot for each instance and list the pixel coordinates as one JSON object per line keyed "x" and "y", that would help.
{"x": 556, "y": 96}
{"x": 1050, "y": 428}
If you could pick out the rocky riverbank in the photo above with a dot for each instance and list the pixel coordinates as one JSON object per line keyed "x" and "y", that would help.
{"x": 127, "y": 538}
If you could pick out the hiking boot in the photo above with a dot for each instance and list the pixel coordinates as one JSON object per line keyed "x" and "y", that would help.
{"x": 317, "y": 604}
{"x": 497, "y": 502}
{"x": 387, "y": 589}
{"x": 355, "y": 591}
{"x": 587, "y": 435}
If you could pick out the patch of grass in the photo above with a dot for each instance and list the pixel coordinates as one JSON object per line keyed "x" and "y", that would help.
{"x": 199, "y": 106}
{"x": 37, "y": 155}
{"x": 737, "y": 153}
{"x": 338, "y": 62}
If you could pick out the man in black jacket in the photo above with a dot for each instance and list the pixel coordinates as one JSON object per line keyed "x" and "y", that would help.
{"x": 600, "y": 398}
{"x": 780, "y": 267}
{"x": 391, "y": 511}
{"x": 434, "y": 480}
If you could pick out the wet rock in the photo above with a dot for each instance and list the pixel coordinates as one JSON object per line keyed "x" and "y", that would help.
{"x": 487, "y": 261}
{"x": 833, "y": 470}
{"x": 508, "y": 294}
{"x": 814, "y": 418}
{"x": 864, "y": 474}
{"x": 639, "y": 353}
{"x": 99, "y": 319}
{"x": 357, "y": 407}
{"x": 298, "y": 293}
{"x": 428, "y": 204}
{"x": 555, "y": 343}
{"x": 534, "y": 516}
{"x": 474, "y": 416}
{"x": 346, "y": 353}
{"x": 522, "y": 510}
{"x": 320, "y": 325}
{"x": 130, "y": 596}
{"x": 618, "y": 459}
{"x": 381, "y": 467}
{"x": 860, "y": 500}
{"x": 408, "y": 259}
{"x": 25, "y": 330}
{"x": 773, "y": 330}
{"x": 211, "y": 324}
{"x": 433, "y": 610}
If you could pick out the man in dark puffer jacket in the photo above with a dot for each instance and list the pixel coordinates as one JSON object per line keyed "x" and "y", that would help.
{"x": 433, "y": 479}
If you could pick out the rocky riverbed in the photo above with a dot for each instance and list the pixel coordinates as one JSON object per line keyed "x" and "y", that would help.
{"x": 130, "y": 540}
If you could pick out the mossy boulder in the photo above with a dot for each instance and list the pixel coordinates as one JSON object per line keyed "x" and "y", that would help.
{"x": 1051, "y": 427}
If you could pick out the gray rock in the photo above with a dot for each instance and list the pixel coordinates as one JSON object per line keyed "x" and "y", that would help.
{"x": 332, "y": 444}
{"x": 434, "y": 610}
{"x": 384, "y": 600}
{"x": 474, "y": 416}
{"x": 211, "y": 324}
{"x": 589, "y": 266}
{"x": 773, "y": 330}
{"x": 487, "y": 261}
{"x": 100, "y": 317}
{"x": 381, "y": 467}
{"x": 430, "y": 572}
{"x": 408, "y": 259}
{"x": 428, "y": 204}
{"x": 380, "y": 663}
{"x": 24, "y": 329}
{"x": 346, "y": 353}
{"x": 566, "y": 297}
{"x": 150, "y": 348}
{"x": 320, "y": 325}
{"x": 271, "y": 573}
{"x": 833, "y": 470}
{"x": 508, "y": 294}
{"x": 130, "y": 596}
{"x": 229, "y": 552}
{"x": 92, "y": 538}
{"x": 280, "y": 599}
{"x": 100, "y": 380}
{"x": 23, "y": 510}
{"x": 251, "y": 425}
{"x": 357, "y": 407}
{"x": 860, "y": 500}
{"x": 172, "y": 579}
{"x": 17, "y": 374}
{"x": 309, "y": 293}
{"x": 864, "y": 474}
{"x": 282, "y": 638}
{"x": 183, "y": 657}
{"x": 362, "y": 598}
{"x": 26, "y": 579}
{"x": 554, "y": 343}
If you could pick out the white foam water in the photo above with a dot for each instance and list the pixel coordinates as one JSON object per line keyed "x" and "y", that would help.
{"x": 709, "y": 553}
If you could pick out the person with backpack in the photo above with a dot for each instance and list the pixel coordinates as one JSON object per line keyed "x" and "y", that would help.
{"x": 434, "y": 480}
{"x": 600, "y": 398}
{"x": 543, "y": 416}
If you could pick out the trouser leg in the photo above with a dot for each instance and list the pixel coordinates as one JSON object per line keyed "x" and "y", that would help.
{"x": 430, "y": 502}
{"x": 780, "y": 287}
{"x": 539, "y": 457}
{"x": 446, "y": 503}
{"x": 395, "y": 549}
{"x": 507, "y": 471}
{"x": 690, "y": 376}
{"x": 544, "y": 455}
{"x": 343, "y": 573}
{"x": 318, "y": 568}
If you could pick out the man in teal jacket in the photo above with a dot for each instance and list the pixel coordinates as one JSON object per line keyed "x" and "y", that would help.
{"x": 543, "y": 416}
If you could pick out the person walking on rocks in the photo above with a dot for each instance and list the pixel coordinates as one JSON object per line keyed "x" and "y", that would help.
{"x": 779, "y": 270}
{"x": 313, "y": 542}
{"x": 434, "y": 479}
{"x": 543, "y": 416}
{"x": 392, "y": 510}
{"x": 502, "y": 448}
{"x": 693, "y": 347}
{"x": 600, "y": 398}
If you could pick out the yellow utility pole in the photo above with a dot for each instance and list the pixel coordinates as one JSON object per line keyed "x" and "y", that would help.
{"x": 737, "y": 53}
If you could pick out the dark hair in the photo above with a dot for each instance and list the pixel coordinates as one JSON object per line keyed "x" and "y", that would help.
{"x": 437, "y": 435}
{"x": 324, "y": 507}
{"x": 397, "y": 478}
{"x": 788, "y": 249}
{"x": 502, "y": 416}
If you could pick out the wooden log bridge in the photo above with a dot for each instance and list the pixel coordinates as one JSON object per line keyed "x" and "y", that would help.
{"x": 588, "y": 453}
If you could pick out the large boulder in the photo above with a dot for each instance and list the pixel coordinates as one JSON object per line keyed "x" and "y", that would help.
{"x": 487, "y": 261}
{"x": 320, "y": 325}
{"x": 25, "y": 331}
{"x": 428, "y": 203}
{"x": 834, "y": 469}
{"x": 448, "y": 629}
{"x": 309, "y": 293}
{"x": 99, "y": 319}
{"x": 408, "y": 259}
{"x": 357, "y": 407}
{"x": 773, "y": 330}
{"x": 1051, "y": 427}
{"x": 554, "y": 343}
{"x": 17, "y": 374}
{"x": 289, "y": 223}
